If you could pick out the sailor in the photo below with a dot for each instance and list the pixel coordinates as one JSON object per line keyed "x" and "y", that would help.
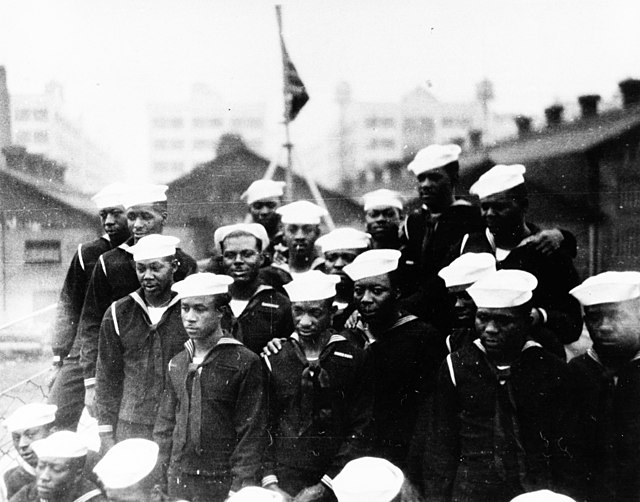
{"x": 458, "y": 276}
{"x": 260, "y": 310}
{"x": 139, "y": 334}
{"x": 609, "y": 378}
{"x": 263, "y": 198}
{"x": 114, "y": 274}
{"x": 321, "y": 397}
{"x": 126, "y": 472}
{"x": 66, "y": 379}
{"x": 339, "y": 248}
{"x": 500, "y": 404}
{"x": 406, "y": 352}
{"x": 59, "y": 472}
{"x": 503, "y": 200}
{"x": 383, "y": 210}
{"x": 27, "y": 424}
{"x": 211, "y": 427}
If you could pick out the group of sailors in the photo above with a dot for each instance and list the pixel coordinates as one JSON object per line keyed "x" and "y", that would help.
{"x": 421, "y": 359}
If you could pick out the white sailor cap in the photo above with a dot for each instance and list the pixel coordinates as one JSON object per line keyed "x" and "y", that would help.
{"x": 263, "y": 189}
{"x": 503, "y": 289}
{"x": 127, "y": 463}
{"x": 31, "y": 415}
{"x": 311, "y": 286}
{"x": 112, "y": 195}
{"x": 542, "y": 496}
{"x": 498, "y": 179}
{"x": 255, "y": 494}
{"x": 255, "y": 229}
{"x": 467, "y": 269}
{"x": 62, "y": 444}
{"x": 382, "y": 198}
{"x": 373, "y": 262}
{"x": 154, "y": 246}
{"x": 433, "y": 157}
{"x": 608, "y": 287}
{"x": 144, "y": 193}
{"x": 301, "y": 212}
{"x": 368, "y": 478}
{"x": 344, "y": 238}
{"x": 202, "y": 284}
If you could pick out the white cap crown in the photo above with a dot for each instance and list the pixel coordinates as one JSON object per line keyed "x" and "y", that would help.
{"x": 311, "y": 286}
{"x": 255, "y": 494}
{"x": 202, "y": 284}
{"x": 608, "y": 287}
{"x": 382, "y": 198}
{"x": 344, "y": 238}
{"x": 112, "y": 195}
{"x": 498, "y": 179}
{"x": 503, "y": 289}
{"x": 433, "y": 157}
{"x": 373, "y": 262}
{"x": 144, "y": 193}
{"x": 154, "y": 246}
{"x": 31, "y": 415}
{"x": 62, "y": 444}
{"x": 467, "y": 269}
{"x": 368, "y": 479}
{"x": 263, "y": 189}
{"x": 127, "y": 463}
{"x": 542, "y": 496}
{"x": 301, "y": 212}
{"x": 255, "y": 229}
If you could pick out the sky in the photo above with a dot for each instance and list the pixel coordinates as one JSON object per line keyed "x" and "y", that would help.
{"x": 115, "y": 57}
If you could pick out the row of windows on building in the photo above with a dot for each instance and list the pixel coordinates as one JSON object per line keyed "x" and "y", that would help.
{"x": 178, "y": 144}
{"x": 28, "y": 137}
{"x": 409, "y": 124}
{"x": 27, "y": 114}
{"x": 206, "y": 123}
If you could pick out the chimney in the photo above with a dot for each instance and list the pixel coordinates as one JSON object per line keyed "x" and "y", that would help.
{"x": 475, "y": 138}
{"x": 589, "y": 105}
{"x": 630, "y": 90}
{"x": 5, "y": 111}
{"x": 554, "y": 115}
{"x": 523, "y": 123}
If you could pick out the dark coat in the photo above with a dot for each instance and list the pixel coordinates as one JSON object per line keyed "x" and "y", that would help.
{"x": 232, "y": 419}
{"x": 319, "y": 426}
{"x": 609, "y": 434}
{"x": 15, "y": 478}
{"x": 74, "y": 288}
{"x": 113, "y": 277}
{"x": 132, "y": 360}
{"x": 472, "y": 452}
{"x": 86, "y": 491}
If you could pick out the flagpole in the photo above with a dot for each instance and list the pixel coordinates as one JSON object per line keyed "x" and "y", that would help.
{"x": 287, "y": 104}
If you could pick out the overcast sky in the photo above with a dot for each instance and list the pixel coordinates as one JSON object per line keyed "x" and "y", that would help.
{"x": 113, "y": 57}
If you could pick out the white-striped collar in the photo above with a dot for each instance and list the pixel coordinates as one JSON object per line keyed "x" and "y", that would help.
{"x": 334, "y": 338}
{"x": 527, "y": 345}
{"x": 190, "y": 347}
{"x": 138, "y": 299}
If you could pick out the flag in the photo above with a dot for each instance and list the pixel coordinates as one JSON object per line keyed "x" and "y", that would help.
{"x": 295, "y": 94}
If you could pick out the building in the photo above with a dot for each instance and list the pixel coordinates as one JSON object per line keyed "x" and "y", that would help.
{"x": 209, "y": 196}
{"x": 183, "y": 135}
{"x": 582, "y": 175}
{"x": 41, "y": 124}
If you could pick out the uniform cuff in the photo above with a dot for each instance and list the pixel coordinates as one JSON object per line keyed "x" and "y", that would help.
{"x": 89, "y": 382}
{"x": 56, "y": 360}
{"x": 327, "y": 481}
{"x": 105, "y": 429}
{"x": 543, "y": 314}
{"x": 269, "y": 480}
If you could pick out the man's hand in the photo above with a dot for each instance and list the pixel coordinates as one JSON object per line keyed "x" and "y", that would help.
{"x": 90, "y": 400}
{"x": 275, "y": 488}
{"x": 311, "y": 493}
{"x": 273, "y": 347}
{"x": 546, "y": 242}
{"x": 52, "y": 375}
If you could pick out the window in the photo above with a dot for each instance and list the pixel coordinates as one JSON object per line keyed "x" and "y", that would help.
{"x": 202, "y": 122}
{"x": 204, "y": 144}
{"x": 42, "y": 251}
{"x": 23, "y": 114}
{"x": 41, "y": 114}
{"x": 23, "y": 137}
{"x": 40, "y": 136}
{"x": 382, "y": 122}
{"x": 160, "y": 144}
{"x": 168, "y": 122}
{"x": 177, "y": 144}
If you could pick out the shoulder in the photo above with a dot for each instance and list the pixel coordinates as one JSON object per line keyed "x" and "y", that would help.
{"x": 271, "y": 298}
{"x": 179, "y": 361}
{"x": 463, "y": 212}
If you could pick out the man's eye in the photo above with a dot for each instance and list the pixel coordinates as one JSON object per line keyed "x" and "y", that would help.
{"x": 247, "y": 253}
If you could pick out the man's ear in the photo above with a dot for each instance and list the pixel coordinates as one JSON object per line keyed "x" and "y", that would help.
{"x": 175, "y": 264}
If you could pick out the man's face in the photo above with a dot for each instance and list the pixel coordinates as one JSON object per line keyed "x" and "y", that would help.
{"x": 464, "y": 307}
{"x": 145, "y": 219}
{"x": 614, "y": 328}
{"x": 114, "y": 222}
{"x": 300, "y": 239}
{"x": 436, "y": 189}
{"x": 383, "y": 222}
{"x": 55, "y": 477}
{"x": 200, "y": 317}
{"x": 312, "y": 318}
{"x": 264, "y": 211}
{"x": 155, "y": 275}
{"x": 503, "y": 331}
{"x": 22, "y": 442}
{"x": 375, "y": 297}
{"x": 502, "y": 214}
{"x": 337, "y": 259}
{"x": 241, "y": 258}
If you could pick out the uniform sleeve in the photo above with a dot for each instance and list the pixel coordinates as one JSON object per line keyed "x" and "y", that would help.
{"x": 96, "y": 302}
{"x": 69, "y": 308}
{"x": 164, "y": 426}
{"x": 269, "y": 455}
{"x": 442, "y": 448}
{"x": 109, "y": 375}
{"x": 360, "y": 416}
{"x": 250, "y": 423}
